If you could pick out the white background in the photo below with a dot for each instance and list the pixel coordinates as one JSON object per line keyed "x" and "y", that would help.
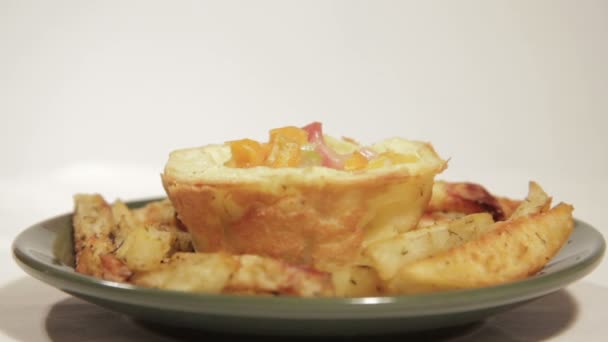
{"x": 94, "y": 95}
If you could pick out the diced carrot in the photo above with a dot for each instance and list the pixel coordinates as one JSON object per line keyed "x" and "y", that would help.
{"x": 247, "y": 153}
{"x": 289, "y": 133}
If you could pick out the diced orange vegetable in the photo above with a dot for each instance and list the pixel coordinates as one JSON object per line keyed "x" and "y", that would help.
{"x": 290, "y": 133}
{"x": 247, "y": 153}
{"x": 356, "y": 161}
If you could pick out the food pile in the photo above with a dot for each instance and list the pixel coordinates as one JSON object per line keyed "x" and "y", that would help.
{"x": 306, "y": 214}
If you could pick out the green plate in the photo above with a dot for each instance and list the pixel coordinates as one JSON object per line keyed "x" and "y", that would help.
{"x": 45, "y": 252}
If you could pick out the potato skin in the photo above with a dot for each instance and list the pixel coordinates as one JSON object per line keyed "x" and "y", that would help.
{"x": 315, "y": 216}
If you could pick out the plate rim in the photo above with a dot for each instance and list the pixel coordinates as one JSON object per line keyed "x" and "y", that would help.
{"x": 285, "y": 307}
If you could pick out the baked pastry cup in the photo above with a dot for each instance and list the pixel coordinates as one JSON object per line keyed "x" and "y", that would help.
{"x": 314, "y": 216}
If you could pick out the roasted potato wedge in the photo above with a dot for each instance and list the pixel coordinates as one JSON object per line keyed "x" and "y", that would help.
{"x": 161, "y": 215}
{"x": 142, "y": 243}
{"x": 112, "y": 241}
{"x": 93, "y": 239}
{"x": 511, "y": 250}
{"x": 536, "y": 202}
{"x": 241, "y": 274}
{"x": 432, "y": 218}
{"x": 389, "y": 255}
{"x": 192, "y": 272}
{"x": 357, "y": 281}
{"x": 145, "y": 247}
{"x": 467, "y": 198}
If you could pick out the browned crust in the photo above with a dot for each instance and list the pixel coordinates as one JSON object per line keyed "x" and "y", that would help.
{"x": 320, "y": 225}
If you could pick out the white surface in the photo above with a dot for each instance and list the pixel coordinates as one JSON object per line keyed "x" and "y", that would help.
{"x": 93, "y": 96}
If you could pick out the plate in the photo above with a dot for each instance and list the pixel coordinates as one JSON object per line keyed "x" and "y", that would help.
{"x": 45, "y": 252}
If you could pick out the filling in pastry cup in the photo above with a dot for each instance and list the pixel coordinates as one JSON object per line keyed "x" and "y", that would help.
{"x": 315, "y": 216}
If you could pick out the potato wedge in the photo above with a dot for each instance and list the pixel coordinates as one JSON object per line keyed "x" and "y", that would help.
{"x": 243, "y": 274}
{"x": 357, "y": 281}
{"x": 389, "y": 255}
{"x": 536, "y": 202}
{"x": 112, "y": 241}
{"x": 258, "y": 274}
{"x": 93, "y": 239}
{"x": 142, "y": 243}
{"x": 432, "y": 218}
{"x": 190, "y": 272}
{"x": 467, "y": 198}
{"x": 161, "y": 215}
{"x": 512, "y": 250}
{"x": 145, "y": 247}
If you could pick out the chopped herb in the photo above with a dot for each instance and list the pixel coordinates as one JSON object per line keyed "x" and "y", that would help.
{"x": 454, "y": 233}
{"x": 541, "y": 238}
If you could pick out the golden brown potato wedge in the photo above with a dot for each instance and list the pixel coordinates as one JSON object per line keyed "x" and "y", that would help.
{"x": 145, "y": 247}
{"x": 511, "y": 250}
{"x": 258, "y": 274}
{"x": 467, "y": 198}
{"x": 243, "y": 274}
{"x": 389, "y": 255}
{"x": 94, "y": 230}
{"x": 161, "y": 215}
{"x": 143, "y": 242}
{"x": 113, "y": 241}
{"x": 191, "y": 272}
{"x": 536, "y": 202}
{"x": 357, "y": 281}
{"x": 431, "y": 218}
